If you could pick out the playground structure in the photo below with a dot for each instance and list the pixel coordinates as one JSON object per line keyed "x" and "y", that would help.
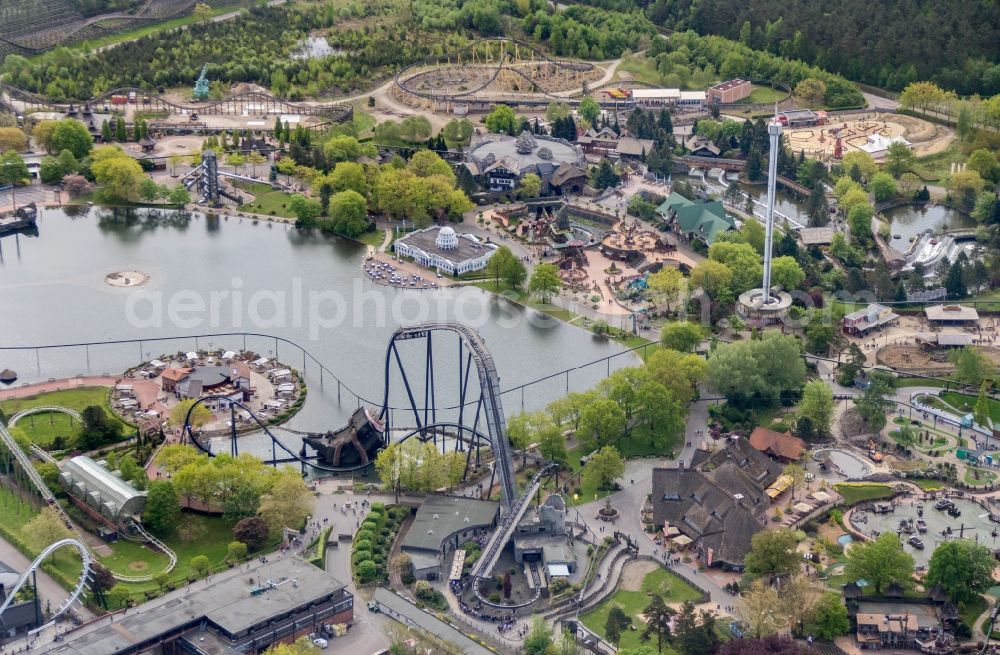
{"x": 487, "y": 71}
{"x": 841, "y": 137}
{"x": 205, "y": 177}
{"x": 629, "y": 241}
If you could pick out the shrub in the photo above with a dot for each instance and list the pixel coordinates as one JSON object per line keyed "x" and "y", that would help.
{"x": 367, "y": 571}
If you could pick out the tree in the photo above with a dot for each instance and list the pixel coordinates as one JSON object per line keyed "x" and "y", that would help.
{"x": 954, "y": 282}
{"x": 348, "y": 213}
{"x": 713, "y": 277}
{"x": 117, "y": 174}
{"x": 658, "y": 618}
{"x": 617, "y": 622}
{"x": 97, "y": 429}
{"x": 603, "y": 468}
{"x": 457, "y": 133}
{"x": 502, "y": 120}
{"x": 531, "y": 186}
{"x": 149, "y": 190}
{"x": 11, "y": 138}
{"x": 828, "y": 618}
{"x": 883, "y": 187}
{"x": 42, "y": 133}
{"x": 873, "y": 405}
{"x": 985, "y": 163}
{"x": 251, "y": 531}
{"x": 881, "y": 562}
{"x": 76, "y": 185}
{"x": 236, "y": 551}
{"x": 817, "y": 405}
{"x": 121, "y": 131}
{"x": 811, "y": 90}
{"x": 770, "y": 645}
{"x": 45, "y": 528}
{"x": 341, "y": 147}
{"x": 163, "y": 510}
{"x": 118, "y": 596}
{"x": 965, "y": 186}
{"x": 743, "y": 261}
{"x": 287, "y": 503}
{"x": 682, "y": 336}
{"x": 202, "y": 13}
{"x": 760, "y": 610}
{"x": 695, "y": 634}
{"x": 179, "y": 196}
{"x": 772, "y": 553}
{"x": 255, "y": 159}
{"x": 601, "y": 422}
{"x": 425, "y": 163}
{"x": 666, "y": 284}
{"x": 859, "y": 217}
{"x": 13, "y": 170}
{"x": 765, "y": 368}
{"x": 200, "y": 564}
{"x": 101, "y": 581}
{"x": 545, "y": 281}
{"x": 505, "y": 585}
{"x": 504, "y": 266}
{"x": 866, "y": 165}
{"x": 199, "y": 416}
{"x": 605, "y": 175}
{"x": 242, "y": 503}
{"x": 539, "y": 640}
{"x": 306, "y": 210}
{"x": 899, "y": 159}
{"x": 70, "y": 134}
{"x": 589, "y": 110}
{"x": 786, "y": 272}
{"x": 963, "y": 568}
{"x": 922, "y": 95}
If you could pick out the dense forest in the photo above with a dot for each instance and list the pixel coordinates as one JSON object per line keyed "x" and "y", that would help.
{"x": 262, "y": 46}
{"x": 682, "y": 54}
{"x": 955, "y": 43}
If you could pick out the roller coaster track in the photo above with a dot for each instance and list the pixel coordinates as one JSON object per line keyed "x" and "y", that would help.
{"x": 50, "y": 500}
{"x": 232, "y": 104}
{"x": 41, "y": 40}
{"x": 43, "y": 409}
{"x": 74, "y": 594}
{"x": 407, "y": 73}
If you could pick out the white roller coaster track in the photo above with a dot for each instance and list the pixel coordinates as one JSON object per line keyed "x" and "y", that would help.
{"x": 50, "y": 500}
{"x": 74, "y": 595}
{"x": 43, "y": 409}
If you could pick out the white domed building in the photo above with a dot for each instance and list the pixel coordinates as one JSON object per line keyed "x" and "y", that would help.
{"x": 444, "y": 249}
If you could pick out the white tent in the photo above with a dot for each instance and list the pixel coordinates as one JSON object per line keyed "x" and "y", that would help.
{"x": 229, "y": 354}
{"x": 260, "y": 362}
{"x": 157, "y": 363}
{"x": 192, "y": 355}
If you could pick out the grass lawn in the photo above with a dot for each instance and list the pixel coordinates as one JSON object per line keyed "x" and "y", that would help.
{"x": 985, "y": 476}
{"x": 936, "y": 167}
{"x": 918, "y": 382}
{"x": 642, "y": 69}
{"x": 762, "y": 94}
{"x": 928, "y": 485}
{"x": 672, "y": 588}
{"x": 42, "y": 428}
{"x": 527, "y": 299}
{"x": 272, "y": 203}
{"x": 972, "y": 611}
{"x": 965, "y": 403}
{"x": 856, "y": 493}
{"x": 373, "y": 238}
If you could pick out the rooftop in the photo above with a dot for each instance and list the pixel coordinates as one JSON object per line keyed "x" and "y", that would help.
{"x": 778, "y": 444}
{"x": 951, "y": 313}
{"x": 426, "y": 240}
{"x": 441, "y": 516}
{"x": 816, "y": 236}
{"x": 226, "y": 603}
{"x": 521, "y": 155}
{"x": 798, "y": 114}
{"x": 725, "y": 86}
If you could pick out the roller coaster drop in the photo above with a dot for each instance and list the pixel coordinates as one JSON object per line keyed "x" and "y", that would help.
{"x": 464, "y": 434}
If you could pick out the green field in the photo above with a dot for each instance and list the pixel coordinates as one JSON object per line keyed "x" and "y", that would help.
{"x": 964, "y": 403}
{"x": 42, "y": 428}
{"x": 641, "y": 69}
{"x": 272, "y": 203}
{"x": 936, "y": 167}
{"x": 671, "y": 587}
{"x": 761, "y": 94}
{"x": 856, "y": 493}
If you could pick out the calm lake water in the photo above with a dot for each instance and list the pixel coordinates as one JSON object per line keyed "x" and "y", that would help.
{"x": 912, "y": 220}
{"x": 210, "y": 274}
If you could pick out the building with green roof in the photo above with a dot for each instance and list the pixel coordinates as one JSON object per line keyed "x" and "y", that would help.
{"x": 695, "y": 219}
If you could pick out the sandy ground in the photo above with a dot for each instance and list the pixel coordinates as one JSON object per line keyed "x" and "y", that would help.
{"x": 926, "y": 137}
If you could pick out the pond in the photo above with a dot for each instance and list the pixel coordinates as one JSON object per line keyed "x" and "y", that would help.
{"x": 909, "y": 221}
{"x": 973, "y": 523}
{"x": 212, "y": 275}
{"x": 845, "y": 464}
{"x": 315, "y": 47}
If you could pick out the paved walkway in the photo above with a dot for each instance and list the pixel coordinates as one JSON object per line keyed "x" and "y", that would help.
{"x": 27, "y": 390}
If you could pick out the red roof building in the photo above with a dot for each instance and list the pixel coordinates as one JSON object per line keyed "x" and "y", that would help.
{"x": 780, "y": 445}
